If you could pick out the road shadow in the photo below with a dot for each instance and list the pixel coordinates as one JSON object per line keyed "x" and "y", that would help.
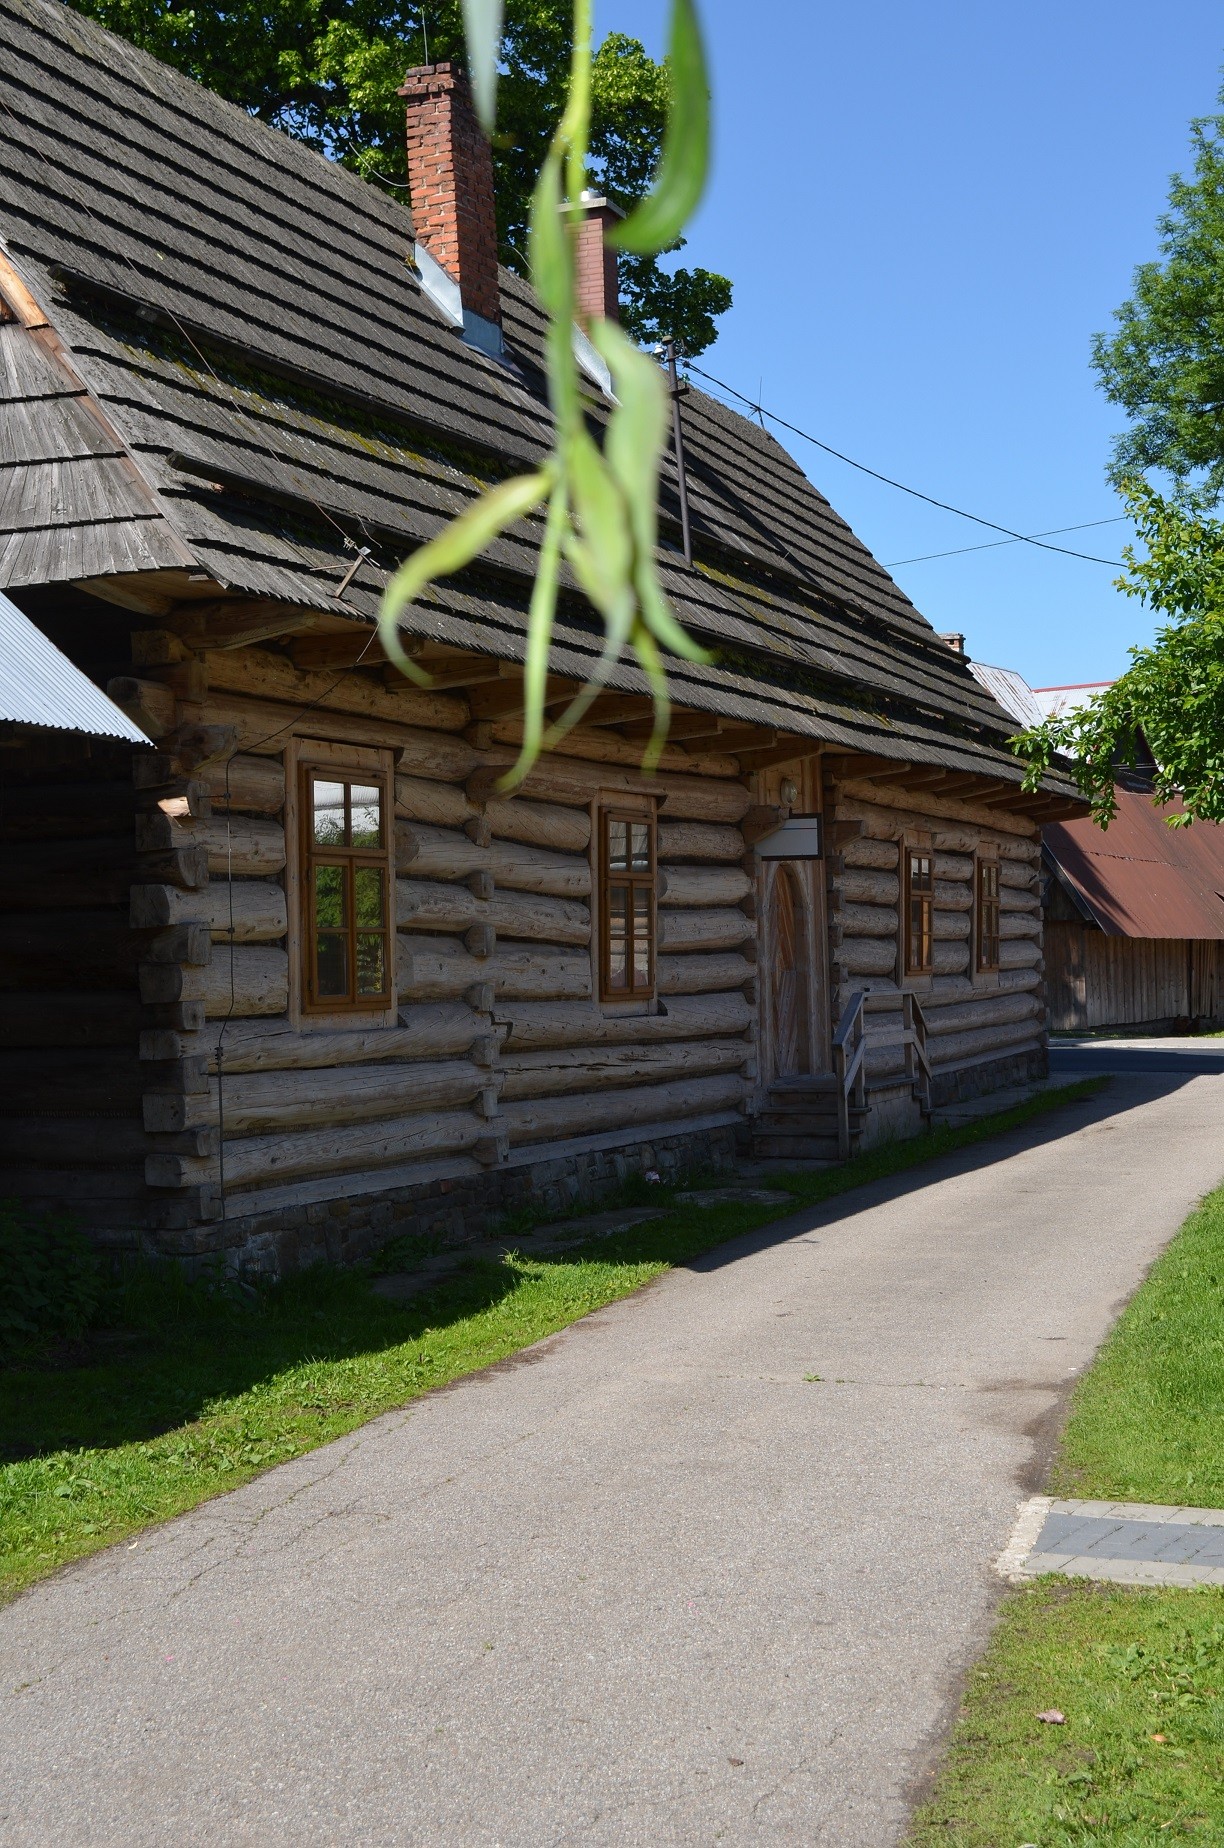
{"x": 1124, "y": 1092}
{"x": 130, "y": 1385}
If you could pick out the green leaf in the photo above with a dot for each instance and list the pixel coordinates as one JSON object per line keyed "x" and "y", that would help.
{"x": 606, "y": 544}
{"x": 552, "y": 273}
{"x": 539, "y": 636}
{"x": 552, "y": 264}
{"x": 482, "y": 26}
{"x": 455, "y": 546}
{"x": 637, "y": 428}
{"x": 648, "y": 655}
{"x": 680, "y": 180}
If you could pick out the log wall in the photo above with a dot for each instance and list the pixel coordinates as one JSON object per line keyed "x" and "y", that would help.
{"x": 501, "y": 1043}
{"x": 972, "y": 1018}
{"x": 496, "y": 895}
{"x": 148, "y": 940}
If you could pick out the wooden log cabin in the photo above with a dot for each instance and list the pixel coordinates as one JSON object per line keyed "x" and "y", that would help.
{"x": 301, "y": 976}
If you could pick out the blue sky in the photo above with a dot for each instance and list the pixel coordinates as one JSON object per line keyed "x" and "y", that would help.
{"x": 927, "y": 212}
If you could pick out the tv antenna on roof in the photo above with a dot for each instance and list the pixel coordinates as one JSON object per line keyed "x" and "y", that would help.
{"x": 668, "y": 351}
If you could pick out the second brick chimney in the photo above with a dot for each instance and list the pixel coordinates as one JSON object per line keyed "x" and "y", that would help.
{"x": 450, "y": 177}
{"x": 597, "y": 291}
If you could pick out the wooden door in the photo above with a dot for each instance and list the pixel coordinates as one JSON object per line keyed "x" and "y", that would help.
{"x": 788, "y": 975}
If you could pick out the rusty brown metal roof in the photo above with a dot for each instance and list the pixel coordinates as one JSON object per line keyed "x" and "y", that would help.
{"x": 1140, "y": 877}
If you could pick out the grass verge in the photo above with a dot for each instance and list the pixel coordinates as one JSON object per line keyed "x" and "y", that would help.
{"x": 1147, "y": 1420}
{"x": 197, "y": 1392}
{"x": 1138, "y": 1674}
{"x": 1140, "y": 1757}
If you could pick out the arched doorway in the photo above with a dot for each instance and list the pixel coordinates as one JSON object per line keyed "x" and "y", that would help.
{"x": 788, "y": 987}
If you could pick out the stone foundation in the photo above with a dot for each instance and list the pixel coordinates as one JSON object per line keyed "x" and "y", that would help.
{"x": 454, "y": 1212}
{"x": 969, "y": 1081}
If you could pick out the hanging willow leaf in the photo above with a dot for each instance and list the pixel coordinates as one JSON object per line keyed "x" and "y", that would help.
{"x": 455, "y": 546}
{"x": 602, "y": 515}
{"x": 658, "y": 221}
{"x": 539, "y": 636}
{"x": 482, "y": 27}
{"x": 637, "y": 429}
{"x": 633, "y": 448}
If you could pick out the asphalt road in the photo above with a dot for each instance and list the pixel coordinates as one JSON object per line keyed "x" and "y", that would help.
{"x": 653, "y": 1583}
{"x": 1167, "y": 1057}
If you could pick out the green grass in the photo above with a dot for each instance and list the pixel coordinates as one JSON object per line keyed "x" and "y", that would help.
{"x": 197, "y": 1393}
{"x": 1146, "y": 1424}
{"x": 1122, "y": 1666}
{"x": 1147, "y": 1421}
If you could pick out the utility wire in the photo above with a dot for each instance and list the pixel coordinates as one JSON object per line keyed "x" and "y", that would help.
{"x": 989, "y": 545}
{"x": 945, "y": 506}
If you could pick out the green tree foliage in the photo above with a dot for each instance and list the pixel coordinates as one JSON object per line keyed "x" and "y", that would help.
{"x": 327, "y": 71}
{"x": 1164, "y": 364}
{"x": 1173, "y": 691}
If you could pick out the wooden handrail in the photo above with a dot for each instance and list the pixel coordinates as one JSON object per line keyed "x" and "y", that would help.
{"x": 849, "y": 1065}
{"x": 917, "y": 1060}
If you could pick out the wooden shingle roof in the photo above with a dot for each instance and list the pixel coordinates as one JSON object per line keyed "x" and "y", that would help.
{"x": 243, "y": 313}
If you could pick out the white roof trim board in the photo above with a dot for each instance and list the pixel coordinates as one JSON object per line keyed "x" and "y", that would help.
{"x": 40, "y": 686}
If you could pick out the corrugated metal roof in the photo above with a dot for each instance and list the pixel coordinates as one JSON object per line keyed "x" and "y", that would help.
{"x": 1056, "y": 702}
{"x": 40, "y": 686}
{"x": 1011, "y": 689}
{"x": 1141, "y": 878}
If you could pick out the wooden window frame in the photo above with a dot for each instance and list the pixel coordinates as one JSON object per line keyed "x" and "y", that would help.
{"x": 607, "y": 877}
{"x": 347, "y": 770}
{"x": 983, "y": 903}
{"x": 927, "y": 897}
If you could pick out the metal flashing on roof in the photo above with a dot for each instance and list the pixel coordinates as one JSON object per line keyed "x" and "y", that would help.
{"x": 439, "y": 285}
{"x": 443, "y": 291}
{"x": 592, "y": 362}
{"x": 40, "y": 686}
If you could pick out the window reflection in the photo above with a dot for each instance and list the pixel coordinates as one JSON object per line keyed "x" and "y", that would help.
{"x": 348, "y": 882}
{"x": 628, "y": 905}
{"x": 329, "y": 817}
{"x": 366, "y": 825}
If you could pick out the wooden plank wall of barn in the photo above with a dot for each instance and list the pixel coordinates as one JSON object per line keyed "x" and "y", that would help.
{"x": 1096, "y": 980}
{"x": 503, "y": 1050}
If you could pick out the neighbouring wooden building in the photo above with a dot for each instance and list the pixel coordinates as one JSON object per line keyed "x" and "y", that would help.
{"x": 1133, "y": 914}
{"x": 1134, "y": 920}
{"x": 299, "y": 977}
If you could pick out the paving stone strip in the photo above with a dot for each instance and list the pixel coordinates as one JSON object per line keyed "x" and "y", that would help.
{"x": 1130, "y": 1543}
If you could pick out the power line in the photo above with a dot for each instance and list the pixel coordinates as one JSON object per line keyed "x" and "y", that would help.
{"x": 944, "y": 506}
{"x": 989, "y": 545}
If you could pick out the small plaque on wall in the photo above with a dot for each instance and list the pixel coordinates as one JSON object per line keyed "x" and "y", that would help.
{"x": 799, "y": 837}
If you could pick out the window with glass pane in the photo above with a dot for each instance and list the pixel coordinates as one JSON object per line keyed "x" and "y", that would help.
{"x": 347, "y": 883}
{"x": 919, "y": 904}
{"x": 627, "y": 923}
{"x": 988, "y": 914}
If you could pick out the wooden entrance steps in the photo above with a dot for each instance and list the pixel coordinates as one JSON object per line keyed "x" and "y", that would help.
{"x": 799, "y": 1121}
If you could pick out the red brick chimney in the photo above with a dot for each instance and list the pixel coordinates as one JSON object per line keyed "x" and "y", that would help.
{"x": 450, "y": 176}
{"x": 597, "y": 285}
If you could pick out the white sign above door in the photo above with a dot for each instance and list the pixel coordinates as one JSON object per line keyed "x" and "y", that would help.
{"x": 799, "y": 837}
